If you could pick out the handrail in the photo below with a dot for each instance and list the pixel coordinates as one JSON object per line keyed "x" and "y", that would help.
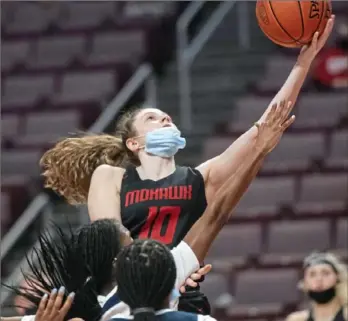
{"x": 144, "y": 74}
{"x": 186, "y": 53}
{"x": 215, "y": 19}
{"x": 181, "y": 44}
{"x": 28, "y": 216}
{"x": 16, "y": 275}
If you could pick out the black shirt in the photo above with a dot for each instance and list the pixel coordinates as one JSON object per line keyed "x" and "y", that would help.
{"x": 163, "y": 210}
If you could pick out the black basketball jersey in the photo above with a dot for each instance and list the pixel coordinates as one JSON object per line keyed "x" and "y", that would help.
{"x": 163, "y": 210}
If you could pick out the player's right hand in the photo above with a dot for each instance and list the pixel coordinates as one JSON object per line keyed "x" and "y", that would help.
{"x": 194, "y": 277}
{"x": 52, "y": 308}
{"x": 309, "y": 52}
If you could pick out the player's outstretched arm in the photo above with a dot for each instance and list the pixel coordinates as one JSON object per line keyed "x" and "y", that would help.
{"x": 216, "y": 170}
{"x": 218, "y": 212}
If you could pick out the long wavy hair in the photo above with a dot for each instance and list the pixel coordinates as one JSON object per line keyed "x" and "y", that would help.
{"x": 69, "y": 165}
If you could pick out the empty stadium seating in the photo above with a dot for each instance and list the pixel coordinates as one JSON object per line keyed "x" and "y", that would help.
{"x": 297, "y": 205}
{"x": 61, "y": 63}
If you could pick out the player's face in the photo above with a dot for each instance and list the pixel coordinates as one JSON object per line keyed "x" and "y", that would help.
{"x": 319, "y": 277}
{"x": 149, "y": 119}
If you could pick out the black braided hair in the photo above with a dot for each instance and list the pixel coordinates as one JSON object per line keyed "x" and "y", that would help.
{"x": 99, "y": 244}
{"x": 81, "y": 262}
{"x": 145, "y": 275}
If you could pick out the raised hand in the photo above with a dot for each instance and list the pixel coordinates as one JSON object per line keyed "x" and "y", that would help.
{"x": 194, "y": 277}
{"x": 309, "y": 52}
{"x": 52, "y": 308}
{"x": 272, "y": 128}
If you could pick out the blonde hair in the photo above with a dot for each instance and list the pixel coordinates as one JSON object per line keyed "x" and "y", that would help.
{"x": 342, "y": 272}
{"x": 69, "y": 165}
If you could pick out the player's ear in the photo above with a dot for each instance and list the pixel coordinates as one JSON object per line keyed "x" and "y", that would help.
{"x": 133, "y": 144}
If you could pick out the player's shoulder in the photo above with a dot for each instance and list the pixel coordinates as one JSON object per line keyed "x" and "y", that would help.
{"x": 188, "y": 171}
{"x": 108, "y": 172}
{"x": 298, "y": 316}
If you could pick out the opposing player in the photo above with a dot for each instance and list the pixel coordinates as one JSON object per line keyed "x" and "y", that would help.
{"x": 145, "y": 275}
{"x": 85, "y": 264}
{"x": 325, "y": 282}
{"x": 154, "y": 198}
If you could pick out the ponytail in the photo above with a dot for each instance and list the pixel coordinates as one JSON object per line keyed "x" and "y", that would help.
{"x": 69, "y": 165}
{"x": 144, "y": 314}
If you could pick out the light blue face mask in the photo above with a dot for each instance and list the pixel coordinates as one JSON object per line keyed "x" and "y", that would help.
{"x": 164, "y": 142}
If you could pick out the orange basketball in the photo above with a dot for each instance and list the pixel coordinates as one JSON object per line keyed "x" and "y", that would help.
{"x": 291, "y": 23}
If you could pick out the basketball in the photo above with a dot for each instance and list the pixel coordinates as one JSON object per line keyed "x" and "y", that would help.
{"x": 292, "y": 23}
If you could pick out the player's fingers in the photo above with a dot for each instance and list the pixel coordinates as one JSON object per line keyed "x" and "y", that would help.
{"x": 271, "y": 115}
{"x": 286, "y": 110}
{"x": 314, "y": 42}
{"x": 280, "y": 111}
{"x": 198, "y": 276}
{"x": 51, "y": 301}
{"x": 67, "y": 304}
{"x": 205, "y": 269}
{"x": 195, "y": 276}
{"x": 191, "y": 283}
{"x": 59, "y": 299}
{"x": 327, "y": 31}
{"x": 288, "y": 123}
{"x": 182, "y": 289}
{"x": 277, "y": 114}
{"x": 42, "y": 306}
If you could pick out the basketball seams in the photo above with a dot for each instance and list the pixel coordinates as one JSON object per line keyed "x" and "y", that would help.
{"x": 280, "y": 42}
{"x": 276, "y": 21}
{"x": 280, "y": 25}
{"x": 302, "y": 21}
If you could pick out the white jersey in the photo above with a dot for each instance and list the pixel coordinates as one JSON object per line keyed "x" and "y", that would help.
{"x": 186, "y": 263}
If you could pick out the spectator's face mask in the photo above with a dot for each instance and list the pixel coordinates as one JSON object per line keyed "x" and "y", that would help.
{"x": 321, "y": 278}
{"x": 323, "y": 297}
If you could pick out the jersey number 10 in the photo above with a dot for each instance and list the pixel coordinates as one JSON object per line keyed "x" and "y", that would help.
{"x": 154, "y": 223}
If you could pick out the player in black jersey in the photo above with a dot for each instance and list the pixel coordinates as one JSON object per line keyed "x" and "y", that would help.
{"x": 97, "y": 239}
{"x": 155, "y": 198}
{"x": 325, "y": 282}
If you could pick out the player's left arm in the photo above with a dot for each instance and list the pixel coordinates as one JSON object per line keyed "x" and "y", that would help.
{"x": 215, "y": 171}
